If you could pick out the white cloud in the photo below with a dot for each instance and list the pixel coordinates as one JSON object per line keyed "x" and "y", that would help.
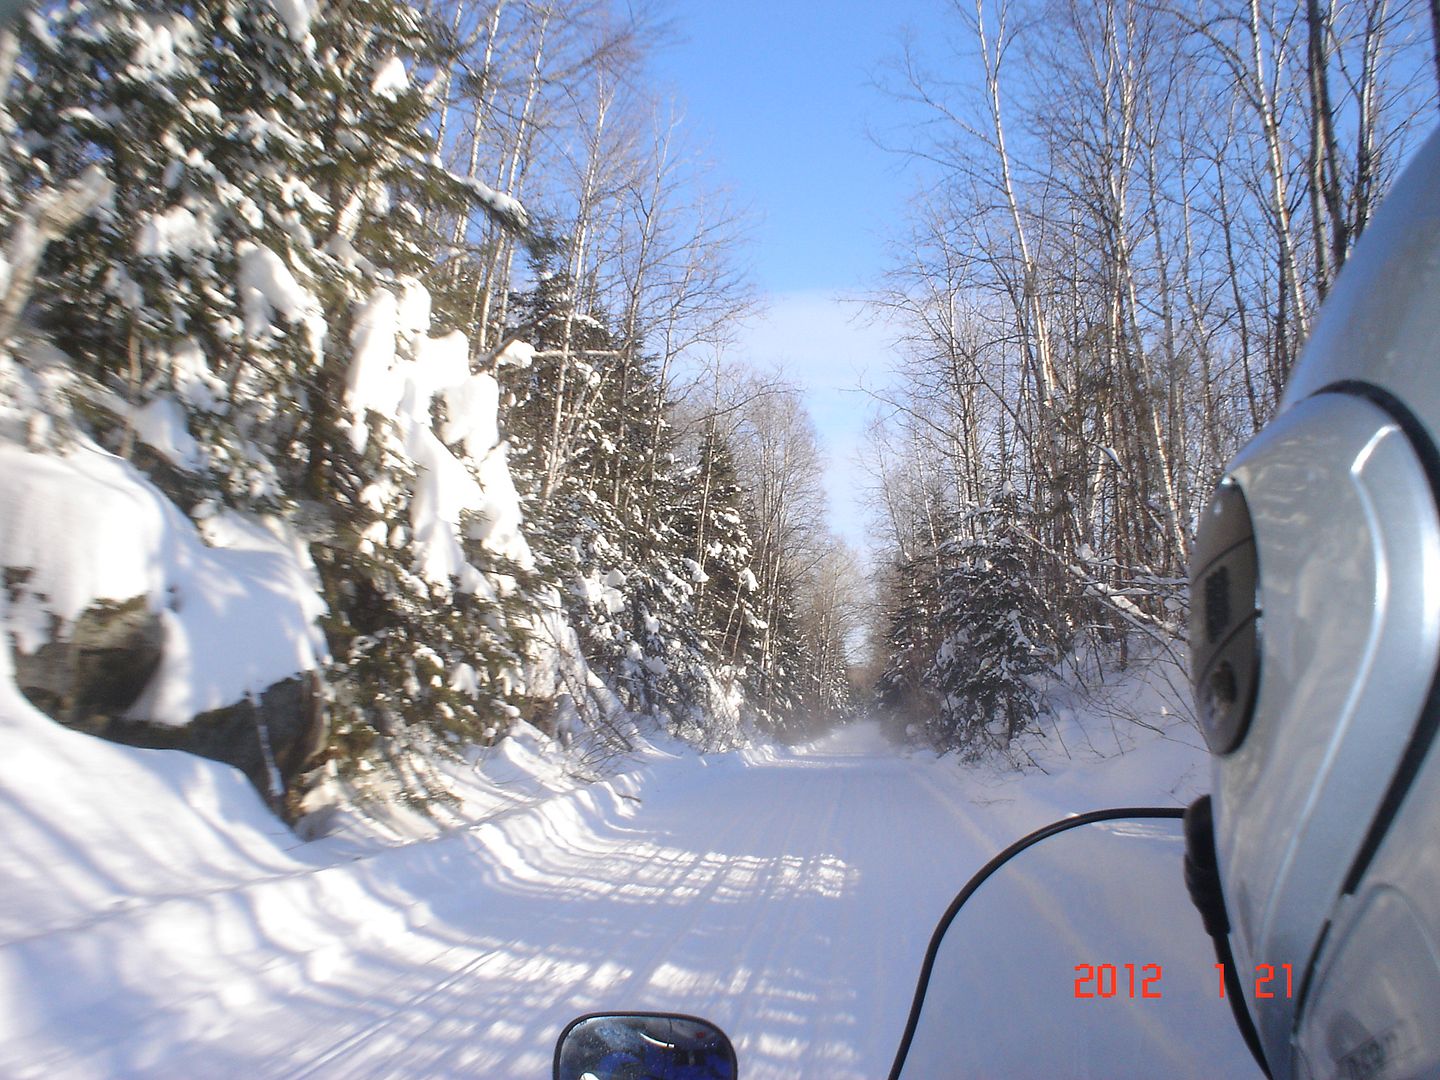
{"x": 831, "y": 347}
{"x": 820, "y": 340}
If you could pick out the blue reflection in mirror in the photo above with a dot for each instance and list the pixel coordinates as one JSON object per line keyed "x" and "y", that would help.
{"x": 643, "y": 1046}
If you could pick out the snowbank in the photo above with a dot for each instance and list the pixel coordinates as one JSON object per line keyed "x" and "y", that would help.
{"x": 151, "y": 908}
{"x": 91, "y": 827}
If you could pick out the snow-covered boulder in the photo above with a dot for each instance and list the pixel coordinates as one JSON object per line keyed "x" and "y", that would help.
{"x": 129, "y": 622}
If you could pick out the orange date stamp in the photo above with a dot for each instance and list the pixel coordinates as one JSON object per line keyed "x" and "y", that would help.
{"x": 1142, "y": 981}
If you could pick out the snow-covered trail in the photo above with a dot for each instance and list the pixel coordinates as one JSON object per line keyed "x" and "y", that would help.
{"x": 787, "y": 896}
{"x": 783, "y": 898}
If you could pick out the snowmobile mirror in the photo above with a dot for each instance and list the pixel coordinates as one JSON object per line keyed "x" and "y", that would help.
{"x": 1113, "y": 978}
{"x": 656, "y": 1046}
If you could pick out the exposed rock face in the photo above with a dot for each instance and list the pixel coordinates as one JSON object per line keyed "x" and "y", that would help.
{"x": 90, "y": 680}
{"x": 99, "y": 672}
{"x": 289, "y": 716}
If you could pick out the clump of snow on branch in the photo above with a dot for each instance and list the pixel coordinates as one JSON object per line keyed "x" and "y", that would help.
{"x": 160, "y": 425}
{"x": 399, "y": 372}
{"x": 267, "y": 288}
{"x": 177, "y": 232}
{"x": 517, "y": 354}
{"x": 163, "y": 44}
{"x": 390, "y": 79}
{"x": 296, "y": 15}
{"x": 504, "y": 206}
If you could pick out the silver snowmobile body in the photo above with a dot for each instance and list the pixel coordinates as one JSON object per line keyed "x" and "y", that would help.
{"x": 1315, "y": 629}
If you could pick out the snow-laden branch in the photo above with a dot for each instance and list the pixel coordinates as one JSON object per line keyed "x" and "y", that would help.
{"x": 47, "y": 216}
{"x": 1118, "y": 600}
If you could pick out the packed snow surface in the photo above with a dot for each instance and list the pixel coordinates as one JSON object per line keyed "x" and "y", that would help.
{"x": 155, "y": 921}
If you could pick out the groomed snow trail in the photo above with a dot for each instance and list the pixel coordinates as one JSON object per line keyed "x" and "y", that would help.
{"x": 787, "y": 896}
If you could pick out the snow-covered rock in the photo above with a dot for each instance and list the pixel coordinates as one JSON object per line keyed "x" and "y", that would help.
{"x": 238, "y": 605}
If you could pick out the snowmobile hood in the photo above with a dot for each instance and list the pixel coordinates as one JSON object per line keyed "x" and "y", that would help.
{"x": 1381, "y": 321}
{"x": 1315, "y": 632}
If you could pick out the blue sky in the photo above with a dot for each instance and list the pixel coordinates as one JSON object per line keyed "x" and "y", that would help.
{"x": 781, "y": 95}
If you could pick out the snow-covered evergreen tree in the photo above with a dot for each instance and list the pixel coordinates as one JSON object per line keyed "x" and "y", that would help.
{"x": 970, "y": 633}
{"x": 912, "y": 612}
{"x": 129, "y": 88}
{"x": 617, "y": 518}
{"x": 996, "y": 634}
{"x": 426, "y": 617}
{"x": 251, "y": 287}
{"x": 713, "y": 523}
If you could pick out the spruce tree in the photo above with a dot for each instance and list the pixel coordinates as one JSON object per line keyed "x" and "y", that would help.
{"x": 910, "y": 638}
{"x": 996, "y": 634}
{"x": 712, "y": 522}
{"x": 614, "y": 507}
{"x": 271, "y": 176}
{"x": 423, "y": 663}
{"x": 143, "y": 293}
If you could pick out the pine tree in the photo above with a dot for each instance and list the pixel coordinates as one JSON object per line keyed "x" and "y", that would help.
{"x": 712, "y": 522}
{"x": 996, "y": 635}
{"x": 271, "y": 177}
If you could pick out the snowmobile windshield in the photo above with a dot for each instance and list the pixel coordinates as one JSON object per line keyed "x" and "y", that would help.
{"x": 1118, "y": 979}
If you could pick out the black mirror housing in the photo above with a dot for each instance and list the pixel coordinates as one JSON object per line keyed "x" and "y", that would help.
{"x": 643, "y": 1046}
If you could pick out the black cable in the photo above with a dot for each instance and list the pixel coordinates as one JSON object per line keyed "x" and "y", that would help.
{"x": 1202, "y": 881}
